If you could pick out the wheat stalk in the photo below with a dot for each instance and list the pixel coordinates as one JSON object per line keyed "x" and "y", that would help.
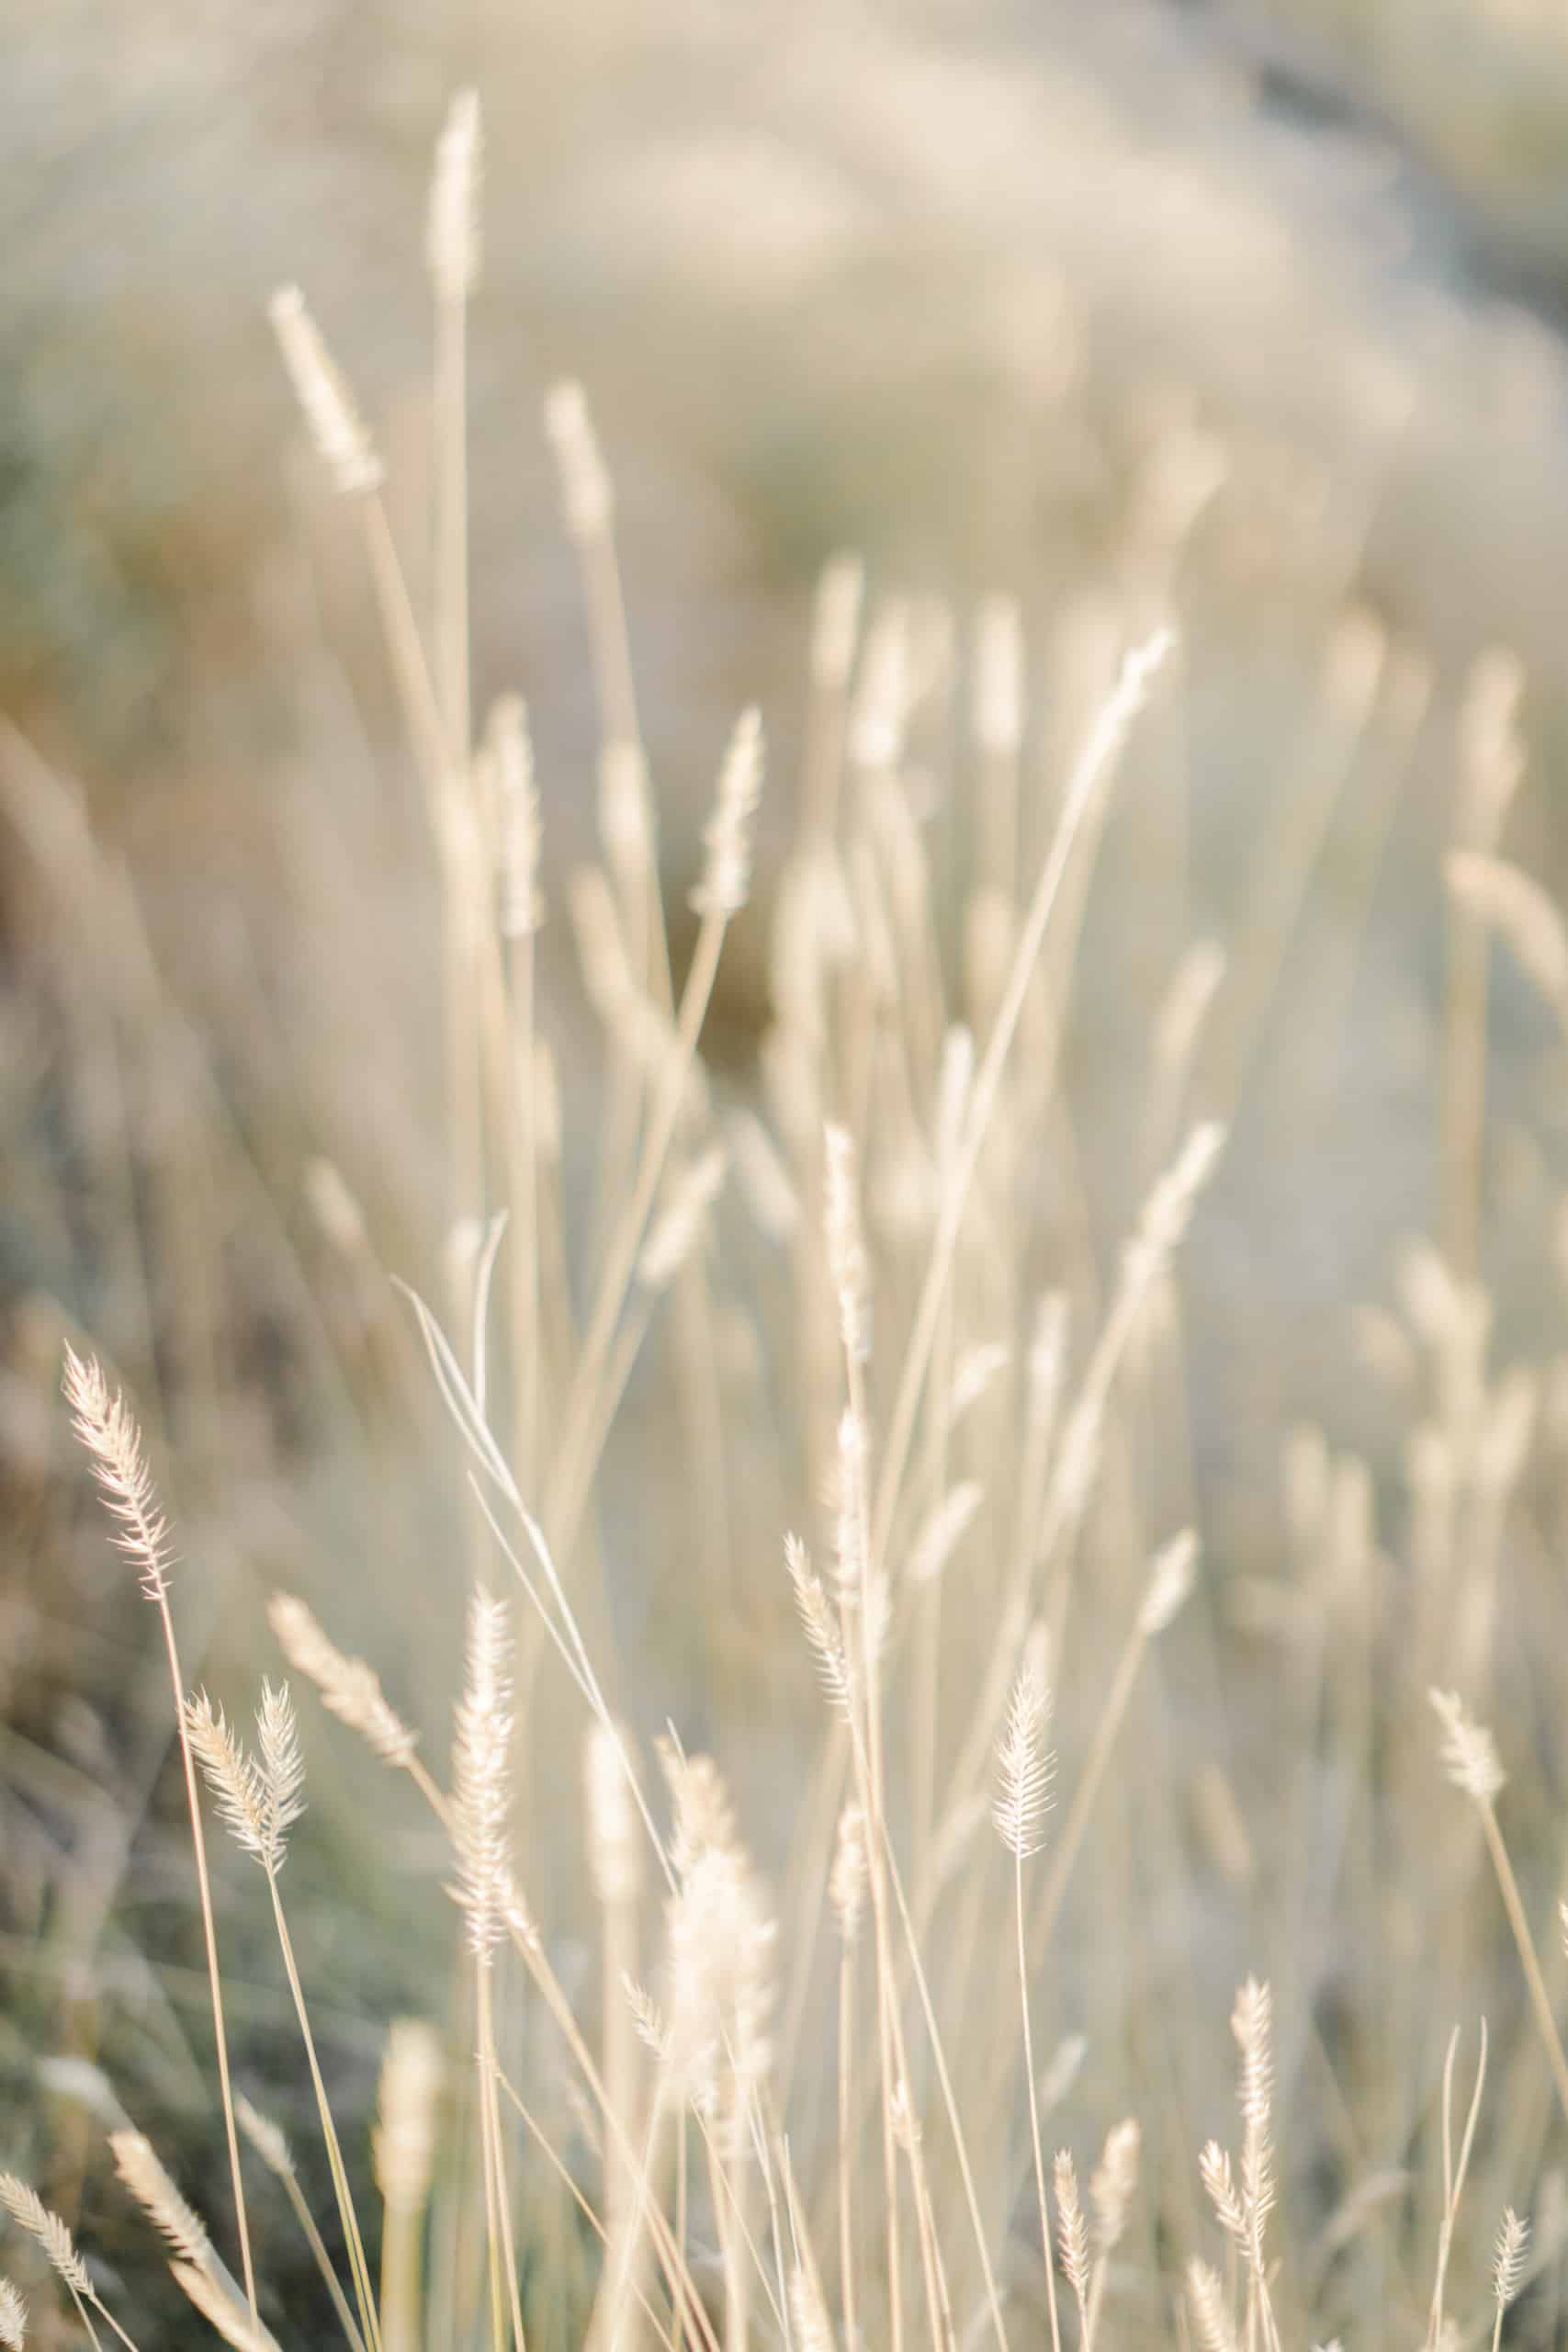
{"x": 107, "y": 1427}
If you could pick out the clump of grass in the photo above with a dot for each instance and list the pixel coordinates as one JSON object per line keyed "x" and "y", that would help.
{"x": 789, "y": 2109}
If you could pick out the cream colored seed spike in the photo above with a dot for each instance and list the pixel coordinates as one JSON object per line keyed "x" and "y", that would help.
{"x": 1114, "y": 2183}
{"x": 481, "y": 1789}
{"x": 266, "y": 2138}
{"x": 1470, "y": 1755}
{"x": 615, "y": 1851}
{"x": 586, "y": 495}
{"x": 1025, "y": 1765}
{"x": 403, "y": 2143}
{"x": 726, "y": 877}
{"x": 998, "y": 677}
{"x": 521, "y": 907}
{"x": 836, "y": 621}
{"x": 882, "y": 701}
{"x": 137, "y": 2163}
{"x": 342, "y": 439}
{"x": 452, "y": 240}
{"x": 350, "y": 1688}
{"x": 12, "y": 2317}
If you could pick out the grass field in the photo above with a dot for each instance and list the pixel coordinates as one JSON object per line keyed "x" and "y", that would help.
{"x": 887, "y": 1496}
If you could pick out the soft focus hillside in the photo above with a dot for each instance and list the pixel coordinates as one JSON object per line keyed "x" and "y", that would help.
{"x": 870, "y": 854}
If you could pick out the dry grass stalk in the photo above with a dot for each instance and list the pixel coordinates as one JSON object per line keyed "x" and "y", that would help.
{"x": 1025, "y": 1767}
{"x": 350, "y": 1688}
{"x": 1072, "y": 2238}
{"x": 1470, "y": 1757}
{"x": 30, "y": 2213}
{"x": 1454, "y": 2175}
{"x": 232, "y": 2321}
{"x": 403, "y": 2149}
{"x": 137, "y": 2163}
{"x": 1508, "y": 2267}
{"x": 266, "y": 2138}
{"x": 616, "y": 1862}
{"x": 105, "y": 1426}
{"x": 258, "y": 1800}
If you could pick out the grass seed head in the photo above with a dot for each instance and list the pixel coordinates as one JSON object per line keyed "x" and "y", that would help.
{"x": 30, "y": 2213}
{"x": 12, "y": 2317}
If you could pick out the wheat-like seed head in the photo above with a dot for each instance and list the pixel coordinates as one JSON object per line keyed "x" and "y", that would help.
{"x": 258, "y": 1801}
{"x": 1024, "y": 1764}
{"x": 586, "y": 496}
{"x": 700, "y": 1914}
{"x": 817, "y": 1620}
{"x": 12, "y": 2317}
{"x": 998, "y": 676}
{"x": 847, "y": 1879}
{"x": 481, "y": 1785}
{"x": 1219, "y": 2181}
{"x": 452, "y": 236}
{"x": 342, "y": 439}
{"x": 137, "y": 2163}
{"x": 1211, "y": 2310}
{"x": 884, "y": 694}
{"x": 726, "y": 877}
{"x": 1508, "y": 2258}
{"x": 402, "y": 2146}
{"x": 29, "y": 2212}
{"x": 282, "y": 1765}
{"x": 1060, "y": 2070}
{"x": 349, "y": 1688}
{"x": 521, "y": 907}
{"x": 651, "y": 2030}
{"x": 1114, "y": 2183}
{"x": 705, "y": 1816}
{"x": 218, "y": 2307}
{"x": 625, "y": 808}
{"x": 1252, "y": 2024}
{"x": 107, "y": 1427}
{"x": 1470, "y": 1754}
{"x": 615, "y": 1829}
{"x": 265, "y": 2137}
{"x": 1169, "y": 1209}
{"x": 721, "y": 1943}
{"x": 1072, "y": 2233}
{"x": 1170, "y": 1582}
{"x": 813, "y": 2328}
{"x": 836, "y": 622}
{"x": 943, "y": 1530}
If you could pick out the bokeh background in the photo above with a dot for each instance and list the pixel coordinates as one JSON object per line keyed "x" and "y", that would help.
{"x": 1254, "y": 313}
